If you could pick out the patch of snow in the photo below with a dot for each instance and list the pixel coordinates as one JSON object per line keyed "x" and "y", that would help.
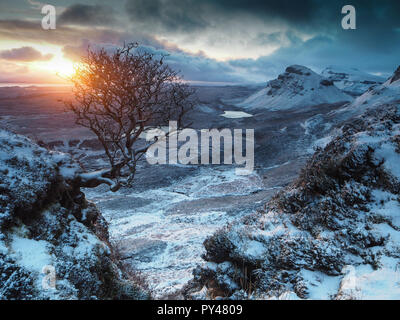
{"x": 254, "y": 249}
{"x": 380, "y": 284}
{"x": 320, "y": 286}
{"x": 32, "y": 254}
{"x": 320, "y": 143}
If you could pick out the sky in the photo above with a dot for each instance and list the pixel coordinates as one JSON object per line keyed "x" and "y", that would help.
{"x": 219, "y": 41}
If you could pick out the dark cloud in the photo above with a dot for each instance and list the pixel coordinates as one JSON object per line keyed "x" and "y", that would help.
{"x": 310, "y": 32}
{"x": 294, "y": 11}
{"x": 200, "y": 68}
{"x": 76, "y": 52}
{"x": 320, "y": 52}
{"x": 24, "y": 54}
{"x": 306, "y": 15}
{"x": 376, "y": 20}
{"x": 194, "y": 15}
{"x": 170, "y": 15}
{"x": 32, "y": 31}
{"x": 82, "y": 14}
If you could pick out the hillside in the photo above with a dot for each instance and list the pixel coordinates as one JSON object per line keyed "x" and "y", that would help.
{"x": 49, "y": 232}
{"x": 351, "y": 80}
{"x": 297, "y": 87}
{"x": 332, "y": 234}
{"x": 388, "y": 92}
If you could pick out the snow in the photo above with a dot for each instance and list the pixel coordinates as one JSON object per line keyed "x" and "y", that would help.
{"x": 387, "y": 205}
{"x": 37, "y": 230}
{"x": 385, "y": 93}
{"x": 163, "y": 238}
{"x": 380, "y": 284}
{"x": 32, "y": 254}
{"x": 297, "y": 87}
{"x": 320, "y": 143}
{"x": 320, "y": 286}
{"x": 391, "y": 157}
{"x": 255, "y": 249}
{"x": 351, "y": 80}
{"x": 353, "y": 251}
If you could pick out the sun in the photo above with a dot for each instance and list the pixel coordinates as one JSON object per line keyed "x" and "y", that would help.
{"x": 60, "y": 66}
{"x": 57, "y": 66}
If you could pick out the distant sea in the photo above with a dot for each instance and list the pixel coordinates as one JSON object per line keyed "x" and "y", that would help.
{"x": 25, "y": 85}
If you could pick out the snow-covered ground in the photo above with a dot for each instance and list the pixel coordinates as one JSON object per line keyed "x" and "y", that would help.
{"x": 160, "y": 231}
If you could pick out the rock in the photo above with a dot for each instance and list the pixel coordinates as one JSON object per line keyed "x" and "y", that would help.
{"x": 351, "y": 80}
{"x": 297, "y": 87}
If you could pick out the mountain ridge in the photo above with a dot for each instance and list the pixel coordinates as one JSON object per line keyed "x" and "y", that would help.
{"x": 351, "y": 80}
{"x": 297, "y": 87}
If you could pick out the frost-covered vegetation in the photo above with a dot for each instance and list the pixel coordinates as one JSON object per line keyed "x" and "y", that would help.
{"x": 46, "y": 224}
{"x": 334, "y": 233}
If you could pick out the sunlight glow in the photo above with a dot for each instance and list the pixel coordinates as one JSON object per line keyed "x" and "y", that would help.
{"x": 60, "y": 66}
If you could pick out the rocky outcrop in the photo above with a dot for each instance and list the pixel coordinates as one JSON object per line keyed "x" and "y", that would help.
{"x": 388, "y": 92}
{"x": 297, "y": 87}
{"x": 396, "y": 76}
{"x": 333, "y": 234}
{"x": 351, "y": 80}
{"x": 53, "y": 243}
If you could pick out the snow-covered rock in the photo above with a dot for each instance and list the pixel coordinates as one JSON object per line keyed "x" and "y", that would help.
{"x": 351, "y": 80}
{"x": 53, "y": 243}
{"x": 297, "y": 87}
{"x": 332, "y": 234}
{"x": 386, "y": 93}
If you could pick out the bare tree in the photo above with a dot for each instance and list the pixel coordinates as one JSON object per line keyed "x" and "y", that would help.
{"x": 120, "y": 96}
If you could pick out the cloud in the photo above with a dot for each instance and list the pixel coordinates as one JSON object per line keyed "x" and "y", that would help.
{"x": 75, "y": 53}
{"x": 194, "y": 15}
{"x": 14, "y": 72}
{"x": 82, "y": 14}
{"x": 200, "y": 68}
{"x": 170, "y": 15}
{"x": 240, "y": 26}
{"x": 25, "y": 54}
{"x": 31, "y": 31}
{"x": 229, "y": 40}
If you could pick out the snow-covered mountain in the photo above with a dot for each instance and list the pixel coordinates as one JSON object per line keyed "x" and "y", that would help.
{"x": 386, "y": 93}
{"x": 297, "y": 87}
{"x": 351, "y": 80}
